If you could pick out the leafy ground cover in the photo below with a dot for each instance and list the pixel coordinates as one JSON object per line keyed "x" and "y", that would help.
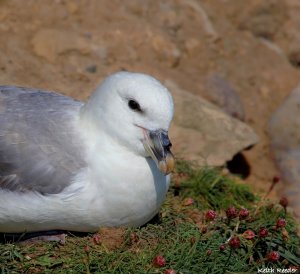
{"x": 210, "y": 223}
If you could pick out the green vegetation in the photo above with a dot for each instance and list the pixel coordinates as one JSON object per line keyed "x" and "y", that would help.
{"x": 210, "y": 223}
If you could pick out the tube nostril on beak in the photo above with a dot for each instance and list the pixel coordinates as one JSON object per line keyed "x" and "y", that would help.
{"x": 168, "y": 146}
{"x": 166, "y": 141}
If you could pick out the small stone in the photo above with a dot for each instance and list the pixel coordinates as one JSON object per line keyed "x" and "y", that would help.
{"x": 28, "y": 258}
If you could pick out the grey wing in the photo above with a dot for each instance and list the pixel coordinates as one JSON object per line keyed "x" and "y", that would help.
{"x": 40, "y": 148}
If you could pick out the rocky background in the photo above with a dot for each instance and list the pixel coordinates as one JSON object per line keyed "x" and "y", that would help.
{"x": 229, "y": 64}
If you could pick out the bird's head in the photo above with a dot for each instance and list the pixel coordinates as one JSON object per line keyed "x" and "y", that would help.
{"x": 136, "y": 110}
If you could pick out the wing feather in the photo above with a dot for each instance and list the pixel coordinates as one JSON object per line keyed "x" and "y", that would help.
{"x": 40, "y": 146}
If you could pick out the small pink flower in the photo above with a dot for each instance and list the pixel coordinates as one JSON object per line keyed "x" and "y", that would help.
{"x": 210, "y": 215}
{"x": 276, "y": 179}
{"x": 244, "y": 213}
{"x": 193, "y": 240}
{"x": 204, "y": 229}
{"x": 188, "y": 201}
{"x": 222, "y": 247}
{"x": 96, "y": 238}
{"x": 86, "y": 249}
{"x": 208, "y": 252}
{"x": 159, "y": 261}
{"x": 263, "y": 232}
{"x": 249, "y": 234}
{"x": 284, "y": 202}
{"x": 234, "y": 242}
{"x": 273, "y": 256}
{"x": 134, "y": 237}
{"x": 170, "y": 271}
{"x": 280, "y": 223}
{"x": 231, "y": 212}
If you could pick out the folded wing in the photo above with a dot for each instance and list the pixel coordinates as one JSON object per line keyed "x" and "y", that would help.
{"x": 40, "y": 145}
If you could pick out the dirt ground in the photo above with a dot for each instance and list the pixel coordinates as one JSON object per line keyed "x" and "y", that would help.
{"x": 70, "y": 46}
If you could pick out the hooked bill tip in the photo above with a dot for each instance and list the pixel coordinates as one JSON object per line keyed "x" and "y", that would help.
{"x": 170, "y": 162}
{"x": 162, "y": 167}
{"x": 167, "y": 166}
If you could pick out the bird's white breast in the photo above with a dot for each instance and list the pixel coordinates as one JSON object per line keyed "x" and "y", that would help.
{"x": 123, "y": 188}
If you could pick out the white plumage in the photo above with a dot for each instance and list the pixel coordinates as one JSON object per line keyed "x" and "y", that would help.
{"x": 73, "y": 166}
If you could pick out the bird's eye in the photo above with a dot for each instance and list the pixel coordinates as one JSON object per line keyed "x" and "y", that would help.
{"x": 134, "y": 105}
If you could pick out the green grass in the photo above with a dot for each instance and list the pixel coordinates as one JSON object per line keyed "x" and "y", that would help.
{"x": 188, "y": 242}
{"x": 213, "y": 190}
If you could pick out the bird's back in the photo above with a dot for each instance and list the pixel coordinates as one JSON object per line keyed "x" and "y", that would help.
{"x": 40, "y": 148}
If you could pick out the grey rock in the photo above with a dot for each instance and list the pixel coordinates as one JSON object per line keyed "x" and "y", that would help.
{"x": 204, "y": 133}
{"x": 221, "y": 93}
{"x": 284, "y": 131}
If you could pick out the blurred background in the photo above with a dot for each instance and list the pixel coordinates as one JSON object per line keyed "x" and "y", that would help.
{"x": 242, "y": 56}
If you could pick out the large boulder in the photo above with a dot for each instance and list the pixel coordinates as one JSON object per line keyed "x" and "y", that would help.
{"x": 284, "y": 131}
{"x": 204, "y": 133}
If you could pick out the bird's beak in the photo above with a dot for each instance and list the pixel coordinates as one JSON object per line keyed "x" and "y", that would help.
{"x": 158, "y": 145}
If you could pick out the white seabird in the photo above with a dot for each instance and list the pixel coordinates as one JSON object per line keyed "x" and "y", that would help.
{"x": 66, "y": 165}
